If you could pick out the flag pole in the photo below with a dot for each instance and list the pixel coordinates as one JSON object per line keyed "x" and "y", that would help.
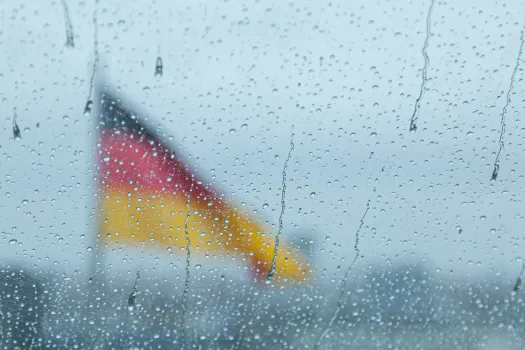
{"x": 96, "y": 279}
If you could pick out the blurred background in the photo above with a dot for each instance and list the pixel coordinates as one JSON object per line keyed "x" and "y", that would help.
{"x": 440, "y": 246}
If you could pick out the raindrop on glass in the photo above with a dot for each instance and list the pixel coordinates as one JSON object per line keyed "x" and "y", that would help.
{"x": 158, "y": 67}
{"x": 87, "y": 109}
{"x": 16, "y": 129}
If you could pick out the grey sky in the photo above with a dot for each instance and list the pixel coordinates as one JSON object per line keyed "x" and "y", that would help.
{"x": 346, "y": 75}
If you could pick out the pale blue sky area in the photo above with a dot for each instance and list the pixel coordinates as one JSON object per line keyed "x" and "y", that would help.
{"x": 237, "y": 75}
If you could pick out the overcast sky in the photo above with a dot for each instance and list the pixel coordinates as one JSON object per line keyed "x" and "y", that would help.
{"x": 237, "y": 76}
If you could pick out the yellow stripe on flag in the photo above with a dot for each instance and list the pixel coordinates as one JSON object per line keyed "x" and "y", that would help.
{"x": 157, "y": 220}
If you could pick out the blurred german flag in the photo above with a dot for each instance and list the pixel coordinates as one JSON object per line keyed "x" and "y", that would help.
{"x": 147, "y": 190}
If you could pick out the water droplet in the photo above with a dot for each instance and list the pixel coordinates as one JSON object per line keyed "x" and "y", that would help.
{"x": 517, "y": 285}
{"x": 158, "y": 67}
{"x": 24, "y": 202}
{"x": 265, "y": 205}
{"x": 495, "y": 173}
{"x": 232, "y": 131}
{"x": 312, "y": 195}
{"x": 131, "y": 301}
{"x": 244, "y": 126}
{"x": 87, "y": 109}
{"x": 16, "y": 129}
{"x": 106, "y": 159}
{"x": 13, "y": 241}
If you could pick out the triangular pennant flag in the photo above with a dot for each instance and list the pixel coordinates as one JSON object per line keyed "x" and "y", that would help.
{"x": 150, "y": 196}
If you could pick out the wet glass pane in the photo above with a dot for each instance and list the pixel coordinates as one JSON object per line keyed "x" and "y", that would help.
{"x": 261, "y": 175}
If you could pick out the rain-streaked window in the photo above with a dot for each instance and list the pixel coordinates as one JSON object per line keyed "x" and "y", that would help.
{"x": 262, "y": 175}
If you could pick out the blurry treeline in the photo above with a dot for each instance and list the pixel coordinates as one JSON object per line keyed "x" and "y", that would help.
{"x": 401, "y": 306}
